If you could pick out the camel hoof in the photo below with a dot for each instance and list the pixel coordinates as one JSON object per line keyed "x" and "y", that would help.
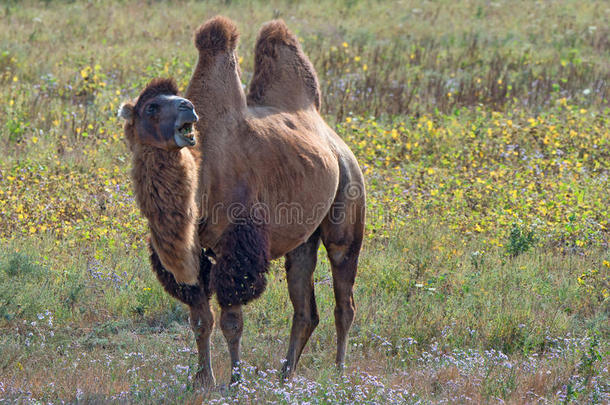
{"x": 205, "y": 382}
{"x": 287, "y": 373}
{"x": 235, "y": 377}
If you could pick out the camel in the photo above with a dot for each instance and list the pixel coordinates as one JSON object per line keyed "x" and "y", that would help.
{"x": 260, "y": 177}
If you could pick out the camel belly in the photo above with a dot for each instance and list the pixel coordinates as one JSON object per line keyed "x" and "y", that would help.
{"x": 289, "y": 214}
{"x": 289, "y": 224}
{"x": 294, "y": 224}
{"x": 292, "y": 216}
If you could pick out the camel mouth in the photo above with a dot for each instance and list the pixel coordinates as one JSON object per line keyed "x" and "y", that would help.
{"x": 184, "y": 135}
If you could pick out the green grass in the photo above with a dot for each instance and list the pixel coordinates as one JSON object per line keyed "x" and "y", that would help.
{"x": 483, "y": 132}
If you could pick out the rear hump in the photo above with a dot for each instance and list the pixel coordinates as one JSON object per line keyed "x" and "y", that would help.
{"x": 283, "y": 75}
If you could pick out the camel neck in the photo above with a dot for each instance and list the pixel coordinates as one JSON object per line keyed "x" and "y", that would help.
{"x": 165, "y": 184}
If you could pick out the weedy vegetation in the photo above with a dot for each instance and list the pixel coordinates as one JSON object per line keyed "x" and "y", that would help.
{"x": 483, "y": 130}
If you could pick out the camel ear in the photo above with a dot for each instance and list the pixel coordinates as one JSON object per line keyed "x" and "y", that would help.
{"x": 126, "y": 111}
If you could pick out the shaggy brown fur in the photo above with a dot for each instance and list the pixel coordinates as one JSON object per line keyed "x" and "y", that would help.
{"x": 166, "y": 198}
{"x": 218, "y": 34}
{"x": 165, "y": 182}
{"x": 191, "y": 295}
{"x": 156, "y": 87}
{"x": 239, "y": 274}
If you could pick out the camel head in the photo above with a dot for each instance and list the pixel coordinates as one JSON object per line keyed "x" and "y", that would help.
{"x": 159, "y": 117}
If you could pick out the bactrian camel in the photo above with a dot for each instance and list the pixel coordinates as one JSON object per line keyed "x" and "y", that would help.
{"x": 249, "y": 180}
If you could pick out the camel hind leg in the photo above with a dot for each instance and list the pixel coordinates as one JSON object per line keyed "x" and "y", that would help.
{"x": 342, "y": 233}
{"x": 300, "y": 265}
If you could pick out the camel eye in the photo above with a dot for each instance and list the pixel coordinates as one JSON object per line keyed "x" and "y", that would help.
{"x": 151, "y": 109}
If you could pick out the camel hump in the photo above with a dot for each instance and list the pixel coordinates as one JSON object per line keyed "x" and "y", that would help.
{"x": 216, "y": 35}
{"x": 283, "y": 75}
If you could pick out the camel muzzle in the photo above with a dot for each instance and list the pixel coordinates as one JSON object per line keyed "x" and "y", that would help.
{"x": 183, "y": 132}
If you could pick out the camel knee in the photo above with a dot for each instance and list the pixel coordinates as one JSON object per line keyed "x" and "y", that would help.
{"x": 307, "y": 321}
{"x": 202, "y": 327}
{"x": 344, "y": 315}
{"x": 337, "y": 255}
{"x": 231, "y": 324}
{"x": 201, "y": 323}
{"x": 314, "y": 320}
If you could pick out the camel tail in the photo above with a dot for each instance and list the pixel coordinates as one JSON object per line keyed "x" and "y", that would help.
{"x": 216, "y": 35}
{"x": 283, "y": 75}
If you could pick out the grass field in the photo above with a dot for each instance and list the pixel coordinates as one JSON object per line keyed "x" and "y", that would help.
{"x": 483, "y": 130}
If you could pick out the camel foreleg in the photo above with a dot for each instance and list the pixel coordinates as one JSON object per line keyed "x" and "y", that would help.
{"x": 237, "y": 278}
{"x": 202, "y": 323}
{"x": 232, "y": 325}
{"x": 201, "y": 316}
